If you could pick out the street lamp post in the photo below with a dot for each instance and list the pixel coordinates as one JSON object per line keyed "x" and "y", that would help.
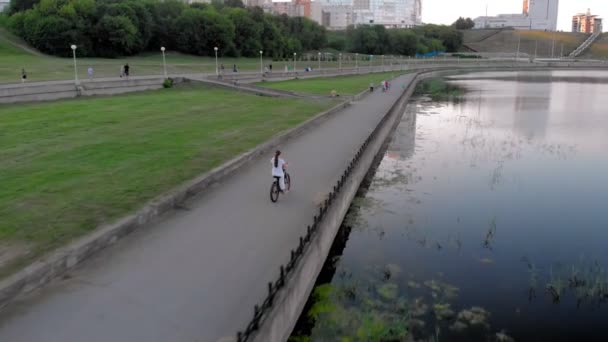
{"x": 162, "y": 49}
{"x": 357, "y": 62}
{"x": 518, "y": 45}
{"x": 75, "y": 67}
{"x": 294, "y": 62}
{"x": 319, "y": 58}
{"x": 217, "y": 70}
{"x": 382, "y": 62}
{"x": 340, "y": 56}
{"x": 370, "y": 62}
{"x": 553, "y": 46}
{"x": 261, "y": 63}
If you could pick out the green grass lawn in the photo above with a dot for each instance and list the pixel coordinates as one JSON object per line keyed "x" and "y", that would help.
{"x": 343, "y": 85}
{"x": 69, "y": 166}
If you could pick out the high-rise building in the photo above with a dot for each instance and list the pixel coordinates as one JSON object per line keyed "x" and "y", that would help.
{"x": 536, "y": 15}
{"x": 586, "y": 23}
{"x": 4, "y": 4}
{"x": 543, "y": 14}
{"x": 337, "y": 14}
{"x": 337, "y": 17}
{"x": 389, "y": 13}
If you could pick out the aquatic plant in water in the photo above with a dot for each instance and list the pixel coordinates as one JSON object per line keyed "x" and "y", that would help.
{"x": 388, "y": 291}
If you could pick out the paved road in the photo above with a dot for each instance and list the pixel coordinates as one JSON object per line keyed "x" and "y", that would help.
{"x": 195, "y": 276}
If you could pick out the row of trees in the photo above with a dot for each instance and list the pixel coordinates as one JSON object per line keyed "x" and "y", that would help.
{"x": 463, "y": 24}
{"x": 378, "y": 40}
{"x": 111, "y": 28}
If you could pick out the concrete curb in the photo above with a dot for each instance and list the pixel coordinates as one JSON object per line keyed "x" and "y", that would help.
{"x": 248, "y": 88}
{"x": 59, "y": 262}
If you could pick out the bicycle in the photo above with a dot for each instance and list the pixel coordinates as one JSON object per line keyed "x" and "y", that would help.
{"x": 275, "y": 188}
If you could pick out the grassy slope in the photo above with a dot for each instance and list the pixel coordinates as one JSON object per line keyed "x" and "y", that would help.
{"x": 344, "y": 85}
{"x": 507, "y": 41}
{"x": 69, "y": 166}
{"x": 42, "y": 67}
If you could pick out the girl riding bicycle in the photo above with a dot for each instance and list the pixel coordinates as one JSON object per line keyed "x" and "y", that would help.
{"x": 278, "y": 169}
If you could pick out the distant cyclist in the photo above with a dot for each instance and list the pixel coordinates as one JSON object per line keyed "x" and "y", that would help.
{"x": 278, "y": 168}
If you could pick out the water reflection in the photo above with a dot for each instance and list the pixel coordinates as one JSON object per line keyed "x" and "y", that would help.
{"x": 484, "y": 221}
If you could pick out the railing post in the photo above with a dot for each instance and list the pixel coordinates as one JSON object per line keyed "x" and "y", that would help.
{"x": 270, "y": 294}
{"x": 256, "y": 311}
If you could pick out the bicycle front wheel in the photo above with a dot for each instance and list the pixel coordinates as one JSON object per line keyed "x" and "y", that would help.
{"x": 274, "y": 192}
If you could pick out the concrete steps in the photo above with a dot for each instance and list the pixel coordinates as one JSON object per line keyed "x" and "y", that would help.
{"x": 586, "y": 44}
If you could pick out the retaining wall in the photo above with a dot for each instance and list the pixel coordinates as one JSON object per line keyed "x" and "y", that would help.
{"x": 63, "y": 90}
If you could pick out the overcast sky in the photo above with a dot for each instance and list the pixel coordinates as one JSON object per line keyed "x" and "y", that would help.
{"x": 447, "y": 11}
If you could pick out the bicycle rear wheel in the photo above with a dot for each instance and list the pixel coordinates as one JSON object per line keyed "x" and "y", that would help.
{"x": 287, "y": 181}
{"x": 274, "y": 192}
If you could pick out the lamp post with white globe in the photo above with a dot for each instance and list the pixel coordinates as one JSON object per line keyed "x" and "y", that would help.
{"x": 75, "y": 66}
{"x": 261, "y": 63}
{"x": 340, "y": 56}
{"x": 294, "y": 62}
{"x": 217, "y": 70}
{"x": 162, "y": 49}
{"x": 319, "y": 58}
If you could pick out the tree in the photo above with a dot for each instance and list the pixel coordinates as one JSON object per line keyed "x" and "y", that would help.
{"x": 272, "y": 38}
{"x": 403, "y": 42}
{"x": 164, "y": 14}
{"x": 234, "y": 3}
{"x": 52, "y": 34}
{"x": 463, "y": 24}
{"x": 116, "y": 36}
{"x": 199, "y": 31}
{"x": 21, "y": 5}
{"x": 247, "y": 39}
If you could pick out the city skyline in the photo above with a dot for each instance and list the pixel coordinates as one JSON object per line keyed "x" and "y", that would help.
{"x": 446, "y": 12}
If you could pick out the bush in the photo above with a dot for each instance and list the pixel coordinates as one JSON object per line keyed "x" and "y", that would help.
{"x": 168, "y": 83}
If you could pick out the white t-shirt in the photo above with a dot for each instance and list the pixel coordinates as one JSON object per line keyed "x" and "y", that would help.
{"x": 277, "y": 171}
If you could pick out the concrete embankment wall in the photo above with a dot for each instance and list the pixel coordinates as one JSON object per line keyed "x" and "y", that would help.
{"x": 65, "y": 90}
{"x": 288, "y": 304}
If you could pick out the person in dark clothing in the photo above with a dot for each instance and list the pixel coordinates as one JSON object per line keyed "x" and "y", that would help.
{"x": 127, "y": 70}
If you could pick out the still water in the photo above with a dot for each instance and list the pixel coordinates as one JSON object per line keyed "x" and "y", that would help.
{"x": 486, "y": 220}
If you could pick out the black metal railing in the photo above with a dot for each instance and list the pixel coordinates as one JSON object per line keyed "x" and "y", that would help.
{"x": 285, "y": 271}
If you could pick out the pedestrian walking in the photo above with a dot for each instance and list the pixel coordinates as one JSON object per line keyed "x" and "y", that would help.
{"x": 23, "y": 75}
{"x": 127, "y": 70}
{"x": 270, "y": 67}
{"x": 90, "y": 72}
{"x": 222, "y": 68}
{"x": 234, "y": 68}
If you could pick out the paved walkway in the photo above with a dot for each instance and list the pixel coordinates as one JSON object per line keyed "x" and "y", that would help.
{"x": 196, "y": 275}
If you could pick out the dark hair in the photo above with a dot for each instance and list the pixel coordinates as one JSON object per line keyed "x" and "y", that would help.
{"x": 276, "y": 158}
